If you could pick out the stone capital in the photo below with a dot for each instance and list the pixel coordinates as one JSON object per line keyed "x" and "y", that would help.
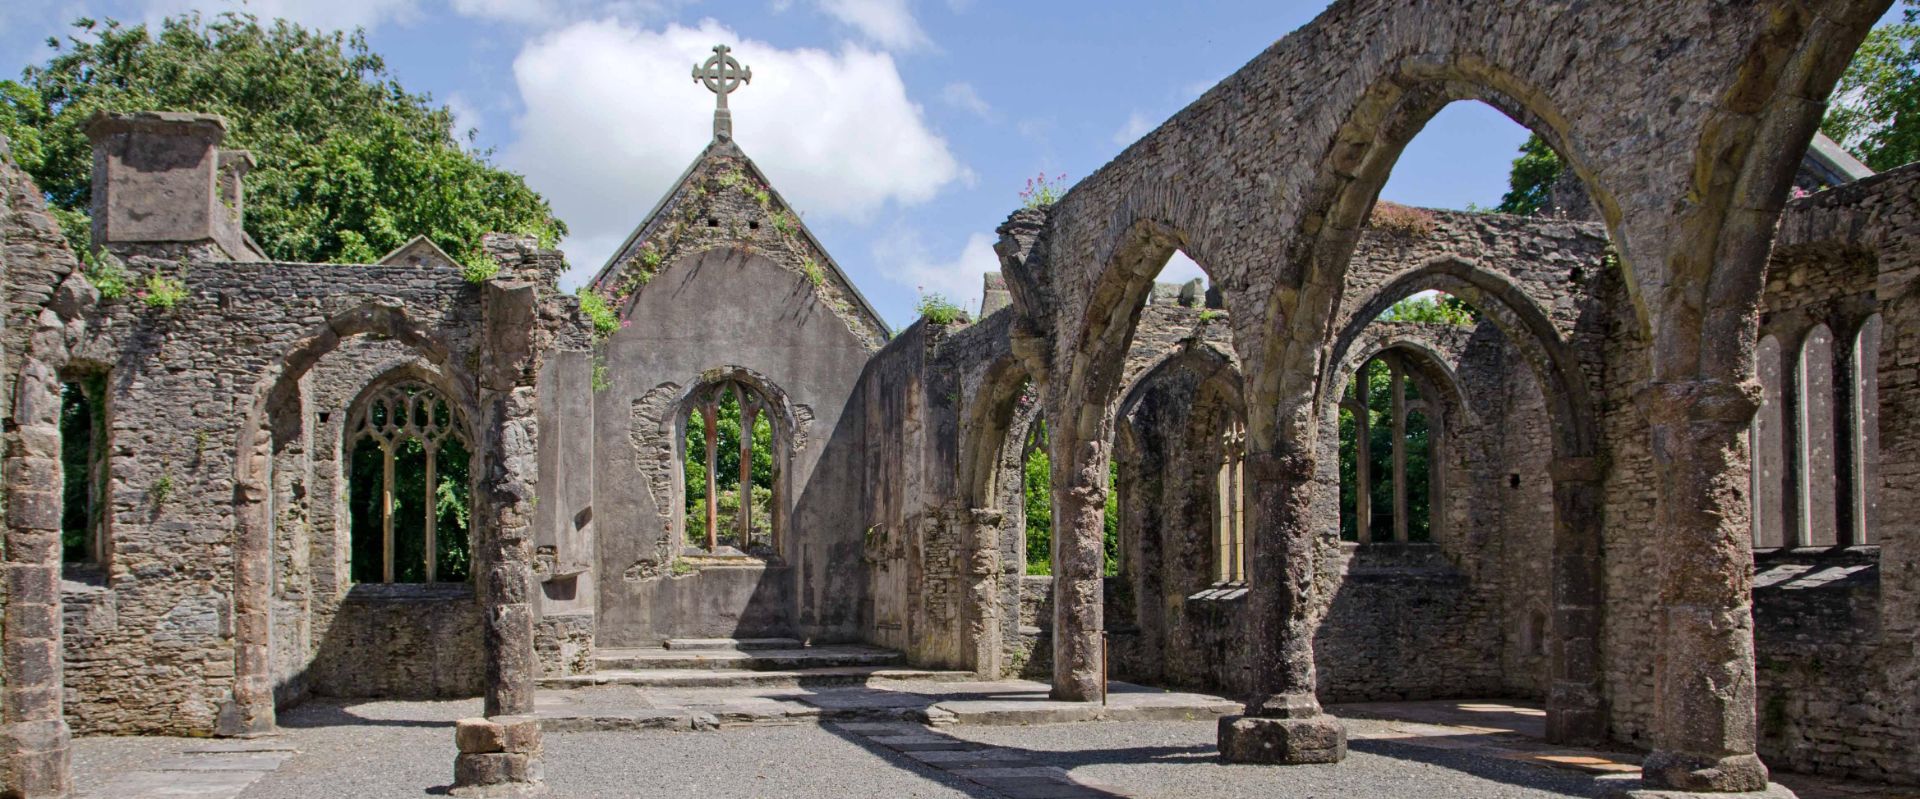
{"x": 1694, "y": 401}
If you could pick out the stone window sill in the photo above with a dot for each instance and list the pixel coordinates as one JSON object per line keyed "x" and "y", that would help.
{"x": 410, "y": 592}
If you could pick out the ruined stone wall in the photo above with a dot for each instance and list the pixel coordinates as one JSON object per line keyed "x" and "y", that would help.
{"x": 153, "y": 649}
{"x": 1835, "y": 627}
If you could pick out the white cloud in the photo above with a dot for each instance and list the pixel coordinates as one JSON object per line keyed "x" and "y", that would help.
{"x": 903, "y": 257}
{"x": 611, "y": 118}
{"x": 466, "y": 116}
{"x": 522, "y": 11}
{"x": 963, "y": 96}
{"x": 888, "y": 23}
{"x": 323, "y": 14}
{"x": 1137, "y": 125}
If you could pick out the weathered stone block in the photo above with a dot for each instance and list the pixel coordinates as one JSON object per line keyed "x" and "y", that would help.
{"x": 1245, "y": 739}
{"x": 494, "y": 768}
{"x": 519, "y": 734}
{"x": 478, "y": 736}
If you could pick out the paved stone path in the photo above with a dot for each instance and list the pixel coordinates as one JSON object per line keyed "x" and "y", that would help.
{"x": 205, "y": 770}
{"x": 614, "y": 707}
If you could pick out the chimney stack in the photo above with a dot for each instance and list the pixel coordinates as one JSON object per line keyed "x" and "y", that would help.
{"x": 163, "y": 187}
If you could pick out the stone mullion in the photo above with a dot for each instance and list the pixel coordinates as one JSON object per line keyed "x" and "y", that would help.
{"x": 1223, "y": 518}
{"x": 748, "y": 410}
{"x": 710, "y": 426}
{"x": 1704, "y": 725}
{"x": 1362, "y": 410}
{"x": 1397, "y": 381}
{"x": 386, "y": 510}
{"x": 432, "y": 538}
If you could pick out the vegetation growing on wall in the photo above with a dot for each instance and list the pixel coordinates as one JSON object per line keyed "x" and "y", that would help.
{"x": 351, "y": 165}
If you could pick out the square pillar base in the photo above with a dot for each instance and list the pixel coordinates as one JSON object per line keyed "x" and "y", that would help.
{"x": 1287, "y": 742}
{"x": 499, "y": 758}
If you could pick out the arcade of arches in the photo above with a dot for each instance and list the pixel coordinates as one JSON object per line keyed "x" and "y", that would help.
{"x": 383, "y": 480}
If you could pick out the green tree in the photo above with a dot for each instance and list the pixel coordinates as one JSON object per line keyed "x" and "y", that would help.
{"x": 351, "y": 164}
{"x": 1037, "y": 479}
{"x": 1530, "y": 184}
{"x": 1876, "y": 108}
{"x": 1437, "y": 308}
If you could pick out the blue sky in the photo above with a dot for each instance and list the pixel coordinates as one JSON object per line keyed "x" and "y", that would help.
{"x": 903, "y": 130}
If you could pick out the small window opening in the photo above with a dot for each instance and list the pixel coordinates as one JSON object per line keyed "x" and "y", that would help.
{"x": 1513, "y": 480}
{"x": 83, "y": 464}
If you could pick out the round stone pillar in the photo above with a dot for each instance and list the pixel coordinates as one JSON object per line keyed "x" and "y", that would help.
{"x": 1704, "y": 720}
{"x": 1079, "y": 561}
{"x": 1283, "y": 723}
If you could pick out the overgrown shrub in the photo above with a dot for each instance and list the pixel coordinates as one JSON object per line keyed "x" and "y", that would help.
{"x": 937, "y": 309}
{"x": 600, "y": 312}
{"x": 1401, "y": 220}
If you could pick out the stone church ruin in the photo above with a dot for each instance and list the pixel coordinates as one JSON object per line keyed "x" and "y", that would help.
{"x": 1664, "y": 464}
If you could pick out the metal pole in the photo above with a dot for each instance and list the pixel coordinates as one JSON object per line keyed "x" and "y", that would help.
{"x": 1103, "y": 668}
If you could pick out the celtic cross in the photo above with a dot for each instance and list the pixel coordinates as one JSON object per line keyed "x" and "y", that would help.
{"x": 722, "y": 74}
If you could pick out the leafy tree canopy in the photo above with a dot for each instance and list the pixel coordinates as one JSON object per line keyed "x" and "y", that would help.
{"x": 1436, "y": 308}
{"x": 1876, "y": 108}
{"x": 351, "y": 165}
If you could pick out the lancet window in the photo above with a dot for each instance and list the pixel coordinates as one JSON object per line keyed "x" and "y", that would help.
{"x": 409, "y": 487}
{"x": 730, "y": 471}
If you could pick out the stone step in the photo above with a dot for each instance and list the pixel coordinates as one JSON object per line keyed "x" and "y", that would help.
{"x": 705, "y": 644}
{"x": 740, "y": 678}
{"x": 818, "y": 657}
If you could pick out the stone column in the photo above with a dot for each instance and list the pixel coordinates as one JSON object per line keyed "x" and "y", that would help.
{"x": 1079, "y": 560}
{"x": 34, "y": 741}
{"x": 1576, "y": 709}
{"x": 503, "y": 554}
{"x": 983, "y": 591}
{"x": 1283, "y": 722}
{"x": 1704, "y": 725}
{"x": 249, "y": 710}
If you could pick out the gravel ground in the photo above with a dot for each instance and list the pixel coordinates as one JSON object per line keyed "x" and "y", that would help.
{"x": 405, "y": 749}
{"x": 1178, "y": 759}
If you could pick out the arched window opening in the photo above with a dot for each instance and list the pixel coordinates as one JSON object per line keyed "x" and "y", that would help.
{"x": 1037, "y": 482}
{"x": 409, "y": 487}
{"x": 1229, "y": 504}
{"x": 1767, "y": 443}
{"x": 1816, "y": 440}
{"x": 730, "y": 471}
{"x": 1864, "y": 422}
{"x": 83, "y": 463}
{"x": 1387, "y": 448}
